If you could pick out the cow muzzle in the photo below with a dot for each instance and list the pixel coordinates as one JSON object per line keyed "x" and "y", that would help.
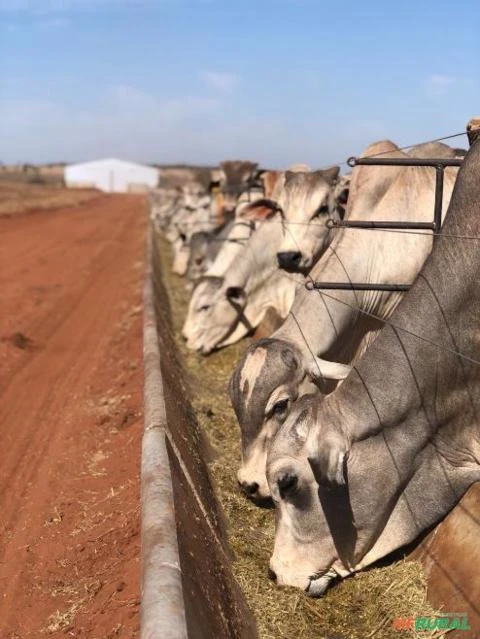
{"x": 289, "y": 260}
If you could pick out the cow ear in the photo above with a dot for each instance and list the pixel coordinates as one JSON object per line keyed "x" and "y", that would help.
{"x": 328, "y": 459}
{"x": 319, "y": 368}
{"x": 260, "y": 210}
{"x": 236, "y": 295}
{"x": 331, "y": 174}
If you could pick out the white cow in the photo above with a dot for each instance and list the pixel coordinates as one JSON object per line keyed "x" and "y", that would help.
{"x": 325, "y": 330}
{"x": 254, "y": 283}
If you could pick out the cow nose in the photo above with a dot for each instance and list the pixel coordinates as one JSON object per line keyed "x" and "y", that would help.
{"x": 272, "y": 574}
{"x": 250, "y": 489}
{"x": 289, "y": 260}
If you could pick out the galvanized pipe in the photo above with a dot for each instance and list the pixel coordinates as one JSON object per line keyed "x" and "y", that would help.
{"x": 368, "y": 224}
{"x": 354, "y": 286}
{"x": 373, "y": 161}
{"x": 437, "y": 214}
{"x": 162, "y": 608}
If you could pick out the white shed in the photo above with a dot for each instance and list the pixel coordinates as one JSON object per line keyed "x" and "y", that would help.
{"x": 112, "y": 176}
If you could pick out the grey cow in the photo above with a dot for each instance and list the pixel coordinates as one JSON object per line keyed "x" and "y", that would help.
{"x": 393, "y": 449}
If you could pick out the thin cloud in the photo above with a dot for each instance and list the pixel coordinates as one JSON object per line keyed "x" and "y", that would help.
{"x": 63, "y": 6}
{"x": 438, "y": 85}
{"x": 54, "y": 23}
{"x": 220, "y": 81}
{"x": 123, "y": 121}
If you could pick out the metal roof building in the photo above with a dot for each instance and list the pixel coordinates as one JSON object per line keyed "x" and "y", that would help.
{"x": 112, "y": 176}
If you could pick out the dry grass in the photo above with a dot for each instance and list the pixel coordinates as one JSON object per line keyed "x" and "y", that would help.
{"x": 363, "y": 606}
{"x": 18, "y": 197}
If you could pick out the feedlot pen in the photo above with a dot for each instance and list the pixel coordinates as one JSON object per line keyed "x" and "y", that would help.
{"x": 363, "y": 606}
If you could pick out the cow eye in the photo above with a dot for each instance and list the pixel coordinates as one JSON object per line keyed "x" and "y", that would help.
{"x": 322, "y": 210}
{"x": 280, "y": 407}
{"x": 205, "y": 307}
{"x": 287, "y": 483}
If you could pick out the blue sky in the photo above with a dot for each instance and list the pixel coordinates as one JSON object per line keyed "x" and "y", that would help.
{"x": 277, "y": 81}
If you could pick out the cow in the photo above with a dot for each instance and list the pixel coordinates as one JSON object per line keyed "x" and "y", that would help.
{"x": 302, "y": 244}
{"x": 163, "y": 203}
{"x": 236, "y": 176}
{"x": 208, "y": 293}
{"x": 393, "y": 449}
{"x": 254, "y": 283}
{"x": 325, "y": 332}
{"x": 204, "y": 246}
{"x": 305, "y": 199}
{"x": 196, "y": 214}
{"x": 338, "y": 197}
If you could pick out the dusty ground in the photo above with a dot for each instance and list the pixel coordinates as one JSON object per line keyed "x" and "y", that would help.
{"x": 70, "y": 418}
{"x": 18, "y": 196}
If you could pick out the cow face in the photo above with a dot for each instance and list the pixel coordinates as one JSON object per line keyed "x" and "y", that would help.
{"x": 224, "y": 320}
{"x": 236, "y": 175}
{"x": 305, "y": 554}
{"x": 193, "y": 217}
{"x": 181, "y": 252}
{"x": 263, "y": 387}
{"x": 198, "y": 261}
{"x": 214, "y": 312}
{"x": 199, "y": 307}
{"x": 305, "y": 205}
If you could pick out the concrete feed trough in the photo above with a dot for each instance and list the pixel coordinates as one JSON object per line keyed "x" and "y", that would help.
{"x": 187, "y": 589}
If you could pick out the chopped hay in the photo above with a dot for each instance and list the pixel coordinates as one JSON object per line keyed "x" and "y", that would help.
{"x": 360, "y": 607}
{"x": 63, "y": 620}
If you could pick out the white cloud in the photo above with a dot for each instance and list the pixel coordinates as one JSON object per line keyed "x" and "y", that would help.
{"x": 220, "y": 81}
{"x": 438, "y": 84}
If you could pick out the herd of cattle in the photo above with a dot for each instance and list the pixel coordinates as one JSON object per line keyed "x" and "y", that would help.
{"x": 359, "y": 413}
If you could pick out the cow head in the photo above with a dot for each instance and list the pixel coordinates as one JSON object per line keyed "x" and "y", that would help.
{"x": 199, "y": 307}
{"x": 306, "y": 555}
{"x": 194, "y": 216}
{"x": 198, "y": 261}
{"x": 264, "y": 387}
{"x": 216, "y": 315}
{"x": 305, "y": 205}
{"x": 338, "y": 198}
{"x": 236, "y": 176}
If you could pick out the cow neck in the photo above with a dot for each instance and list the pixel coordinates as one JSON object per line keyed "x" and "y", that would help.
{"x": 258, "y": 258}
{"x": 411, "y": 403}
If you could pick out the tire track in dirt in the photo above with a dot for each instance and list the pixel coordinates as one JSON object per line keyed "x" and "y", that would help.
{"x": 43, "y": 408}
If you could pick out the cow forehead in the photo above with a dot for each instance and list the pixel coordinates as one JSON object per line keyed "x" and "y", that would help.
{"x": 251, "y": 370}
{"x": 305, "y": 185}
{"x": 263, "y": 370}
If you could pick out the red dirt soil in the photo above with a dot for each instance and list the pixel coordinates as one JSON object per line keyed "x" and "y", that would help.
{"x": 71, "y": 420}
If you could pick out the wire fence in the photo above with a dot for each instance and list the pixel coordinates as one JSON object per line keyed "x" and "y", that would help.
{"x": 353, "y": 301}
{"x": 248, "y": 254}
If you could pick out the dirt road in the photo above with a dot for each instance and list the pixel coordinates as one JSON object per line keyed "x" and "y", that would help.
{"x": 70, "y": 420}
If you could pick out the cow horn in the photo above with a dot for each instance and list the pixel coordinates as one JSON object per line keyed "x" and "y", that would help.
{"x": 322, "y": 368}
